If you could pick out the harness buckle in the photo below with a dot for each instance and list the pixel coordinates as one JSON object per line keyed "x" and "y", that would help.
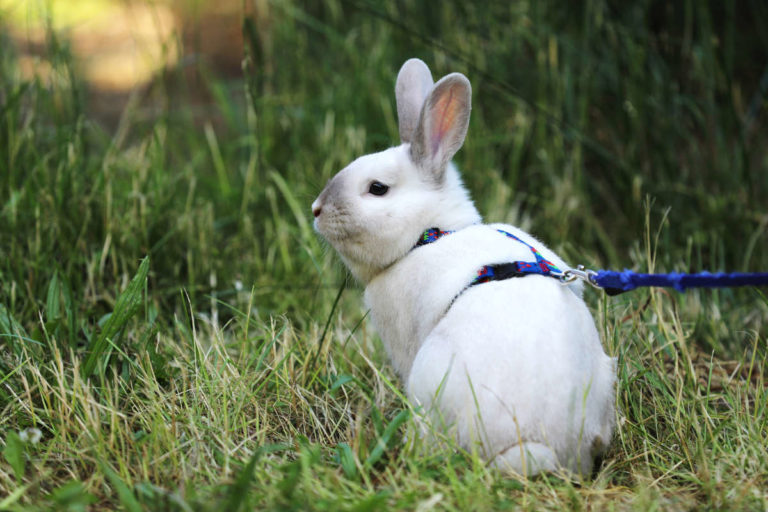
{"x": 580, "y": 272}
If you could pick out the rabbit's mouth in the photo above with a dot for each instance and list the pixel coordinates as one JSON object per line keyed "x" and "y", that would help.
{"x": 337, "y": 229}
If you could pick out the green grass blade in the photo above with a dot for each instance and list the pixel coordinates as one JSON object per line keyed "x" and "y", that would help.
{"x": 321, "y": 343}
{"x": 124, "y": 493}
{"x": 9, "y": 374}
{"x": 239, "y": 490}
{"x": 13, "y": 497}
{"x": 72, "y": 496}
{"x": 298, "y": 209}
{"x": 9, "y": 325}
{"x": 346, "y": 460}
{"x": 52, "y": 301}
{"x": 14, "y": 454}
{"x": 127, "y": 305}
{"x": 386, "y": 436}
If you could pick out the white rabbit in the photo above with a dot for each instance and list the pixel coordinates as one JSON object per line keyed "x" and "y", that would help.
{"x": 513, "y": 367}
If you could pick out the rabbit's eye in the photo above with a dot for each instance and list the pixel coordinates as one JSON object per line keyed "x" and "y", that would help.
{"x": 377, "y": 188}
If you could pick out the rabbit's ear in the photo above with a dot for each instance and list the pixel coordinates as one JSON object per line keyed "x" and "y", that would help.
{"x": 442, "y": 124}
{"x": 414, "y": 82}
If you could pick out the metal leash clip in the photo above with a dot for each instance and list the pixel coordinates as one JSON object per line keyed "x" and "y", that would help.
{"x": 580, "y": 272}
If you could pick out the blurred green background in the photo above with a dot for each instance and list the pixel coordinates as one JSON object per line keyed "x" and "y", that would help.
{"x": 199, "y": 132}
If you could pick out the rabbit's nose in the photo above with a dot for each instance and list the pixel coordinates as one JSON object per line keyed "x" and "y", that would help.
{"x": 316, "y": 209}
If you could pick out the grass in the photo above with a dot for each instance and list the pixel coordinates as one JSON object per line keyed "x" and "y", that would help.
{"x": 183, "y": 341}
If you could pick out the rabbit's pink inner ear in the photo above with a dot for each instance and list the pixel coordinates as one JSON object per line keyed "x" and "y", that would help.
{"x": 446, "y": 109}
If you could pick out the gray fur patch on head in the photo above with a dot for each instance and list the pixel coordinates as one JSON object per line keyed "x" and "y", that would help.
{"x": 332, "y": 193}
{"x": 337, "y": 222}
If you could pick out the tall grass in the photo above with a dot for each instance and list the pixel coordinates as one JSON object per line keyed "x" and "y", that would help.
{"x": 183, "y": 341}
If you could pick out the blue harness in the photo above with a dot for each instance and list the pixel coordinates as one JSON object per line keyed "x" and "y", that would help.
{"x": 501, "y": 271}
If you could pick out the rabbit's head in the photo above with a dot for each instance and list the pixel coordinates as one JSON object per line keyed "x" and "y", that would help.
{"x": 373, "y": 211}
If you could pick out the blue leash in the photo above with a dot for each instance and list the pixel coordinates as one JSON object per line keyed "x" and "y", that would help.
{"x": 615, "y": 283}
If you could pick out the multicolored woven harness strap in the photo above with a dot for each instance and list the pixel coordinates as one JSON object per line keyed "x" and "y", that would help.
{"x": 501, "y": 271}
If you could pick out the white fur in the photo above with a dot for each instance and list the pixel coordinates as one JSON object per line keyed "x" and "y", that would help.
{"x": 514, "y": 367}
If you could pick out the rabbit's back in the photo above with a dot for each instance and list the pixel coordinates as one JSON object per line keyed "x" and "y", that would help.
{"x": 518, "y": 361}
